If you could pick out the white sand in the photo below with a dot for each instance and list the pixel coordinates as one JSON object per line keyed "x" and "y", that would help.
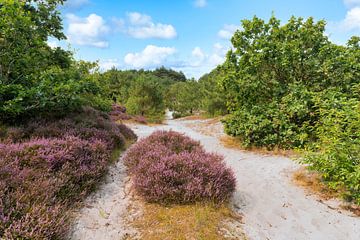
{"x": 272, "y": 206}
{"x": 106, "y": 212}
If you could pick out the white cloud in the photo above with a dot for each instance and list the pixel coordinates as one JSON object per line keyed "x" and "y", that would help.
{"x": 75, "y": 4}
{"x": 89, "y": 31}
{"x": 142, "y": 26}
{"x": 136, "y": 18}
{"x": 200, "y": 3}
{"x": 109, "y": 64}
{"x": 151, "y": 56}
{"x": 352, "y": 19}
{"x": 351, "y": 3}
{"x": 199, "y": 62}
{"x": 198, "y": 57}
{"x": 228, "y": 31}
{"x": 218, "y": 56}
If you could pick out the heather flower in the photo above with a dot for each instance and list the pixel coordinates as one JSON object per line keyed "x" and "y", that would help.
{"x": 46, "y": 166}
{"x": 170, "y": 167}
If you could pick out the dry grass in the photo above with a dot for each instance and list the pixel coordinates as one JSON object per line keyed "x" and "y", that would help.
{"x": 355, "y": 209}
{"x": 134, "y": 122}
{"x": 187, "y": 222}
{"x": 311, "y": 181}
{"x": 235, "y": 143}
{"x": 194, "y": 117}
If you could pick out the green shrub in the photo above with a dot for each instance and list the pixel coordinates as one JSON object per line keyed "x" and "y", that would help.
{"x": 337, "y": 155}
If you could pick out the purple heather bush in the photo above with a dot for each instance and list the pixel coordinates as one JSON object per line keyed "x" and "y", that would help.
{"x": 140, "y": 119}
{"x": 48, "y": 166}
{"x": 118, "y": 113}
{"x": 169, "y": 167}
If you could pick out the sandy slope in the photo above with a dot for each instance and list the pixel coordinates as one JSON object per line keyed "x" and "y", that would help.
{"x": 272, "y": 206}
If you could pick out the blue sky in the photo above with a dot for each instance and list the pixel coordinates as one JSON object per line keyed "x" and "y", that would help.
{"x": 187, "y": 35}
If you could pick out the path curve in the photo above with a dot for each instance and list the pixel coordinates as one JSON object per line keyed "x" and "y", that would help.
{"x": 272, "y": 206}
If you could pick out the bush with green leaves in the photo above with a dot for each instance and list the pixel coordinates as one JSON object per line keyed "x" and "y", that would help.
{"x": 288, "y": 86}
{"x": 337, "y": 155}
{"x": 273, "y": 75}
{"x": 35, "y": 79}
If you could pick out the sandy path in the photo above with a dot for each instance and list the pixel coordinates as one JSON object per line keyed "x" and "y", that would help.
{"x": 272, "y": 206}
{"x": 106, "y": 212}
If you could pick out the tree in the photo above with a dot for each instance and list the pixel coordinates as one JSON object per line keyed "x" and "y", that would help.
{"x": 213, "y": 100}
{"x": 24, "y": 29}
{"x": 270, "y": 79}
{"x": 289, "y": 86}
{"x": 146, "y": 98}
{"x": 184, "y": 98}
{"x": 169, "y": 74}
{"x": 34, "y": 78}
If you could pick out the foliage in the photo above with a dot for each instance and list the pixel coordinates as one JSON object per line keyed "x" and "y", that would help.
{"x": 24, "y": 29}
{"x": 213, "y": 100}
{"x": 205, "y": 95}
{"x": 170, "y": 167}
{"x": 36, "y": 80}
{"x": 46, "y": 166}
{"x": 184, "y": 98}
{"x": 141, "y": 91}
{"x": 273, "y": 76}
{"x": 120, "y": 82}
{"x": 289, "y": 86}
{"x": 146, "y": 99}
{"x": 338, "y": 153}
{"x": 170, "y": 75}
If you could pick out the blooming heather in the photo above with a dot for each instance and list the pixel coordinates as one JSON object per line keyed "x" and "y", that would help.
{"x": 47, "y": 166}
{"x": 172, "y": 168}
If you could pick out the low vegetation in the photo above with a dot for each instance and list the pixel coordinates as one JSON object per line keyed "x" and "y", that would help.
{"x": 48, "y": 166}
{"x": 186, "y": 189}
{"x": 192, "y": 221}
{"x": 169, "y": 167}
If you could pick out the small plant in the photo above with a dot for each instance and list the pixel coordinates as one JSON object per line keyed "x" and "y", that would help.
{"x": 172, "y": 168}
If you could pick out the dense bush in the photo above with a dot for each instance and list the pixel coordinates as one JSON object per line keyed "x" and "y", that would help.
{"x": 47, "y": 166}
{"x": 337, "y": 154}
{"x": 172, "y": 168}
{"x": 288, "y": 86}
{"x": 119, "y": 114}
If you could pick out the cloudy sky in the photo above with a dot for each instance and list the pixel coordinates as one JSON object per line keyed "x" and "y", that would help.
{"x": 187, "y": 35}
